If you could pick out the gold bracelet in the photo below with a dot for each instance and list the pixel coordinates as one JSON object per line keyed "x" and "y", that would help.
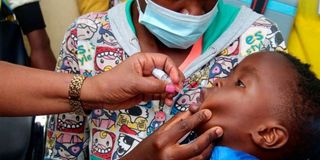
{"x": 74, "y": 94}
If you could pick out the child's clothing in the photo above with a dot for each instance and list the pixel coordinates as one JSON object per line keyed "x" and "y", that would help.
{"x": 97, "y": 42}
{"x": 226, "y": 153}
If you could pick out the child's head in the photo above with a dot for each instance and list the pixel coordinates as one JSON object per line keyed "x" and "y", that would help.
{"x": 269, "y": 106}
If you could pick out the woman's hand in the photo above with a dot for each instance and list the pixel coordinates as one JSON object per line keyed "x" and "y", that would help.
{"x": 163, "y": 143}
{"x": 131, "y": 82}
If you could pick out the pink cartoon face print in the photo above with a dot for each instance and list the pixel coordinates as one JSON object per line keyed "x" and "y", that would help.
{"x": 106, "y": 58}
{"x": 102, "y": 143}
{"x": 160, "y": 116}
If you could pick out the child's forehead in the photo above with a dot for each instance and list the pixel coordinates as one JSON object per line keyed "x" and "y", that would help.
{"x": 265, "y": 61}
{"x": 271, "y": 70}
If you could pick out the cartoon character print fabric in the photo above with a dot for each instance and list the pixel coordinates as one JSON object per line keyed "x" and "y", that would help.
{"x": 135, "y": 119}
{"x": 68, "y": 146}
{"x": 90, "y": 48}
{"x": 126, "y": 143}
{"x": 157, "y": 121}
{"x": 103, "y": 118}
{"x": 107, "y": 57}
{"x": 102, "y": 143}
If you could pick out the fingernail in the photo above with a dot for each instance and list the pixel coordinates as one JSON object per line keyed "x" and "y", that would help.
{"x": 219, "y": 132}
{"x": 207, "y": 113}
{"x": 194, "y": 107}
{"x": 178, "y": 89}
{"x": 170, "y": 88}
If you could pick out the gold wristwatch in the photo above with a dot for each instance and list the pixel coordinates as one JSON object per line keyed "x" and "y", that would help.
{"x": 74, "y": 94}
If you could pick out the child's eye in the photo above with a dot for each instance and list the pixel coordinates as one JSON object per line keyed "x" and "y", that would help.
{"x": 240, "y": 83}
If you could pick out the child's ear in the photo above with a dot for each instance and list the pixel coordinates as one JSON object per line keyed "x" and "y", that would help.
{"x": 270, "y": 137}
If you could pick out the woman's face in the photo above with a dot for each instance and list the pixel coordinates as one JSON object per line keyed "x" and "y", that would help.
{"x": 191, "y": 7}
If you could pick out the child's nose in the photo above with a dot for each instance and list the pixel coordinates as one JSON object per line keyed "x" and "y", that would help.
{"x": 218, "y": 82}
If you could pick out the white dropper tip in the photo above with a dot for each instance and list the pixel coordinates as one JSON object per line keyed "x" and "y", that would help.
{"x": 160, "y": 74}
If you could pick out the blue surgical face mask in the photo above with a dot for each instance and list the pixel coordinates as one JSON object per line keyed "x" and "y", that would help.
{"x": 175, "y": 30}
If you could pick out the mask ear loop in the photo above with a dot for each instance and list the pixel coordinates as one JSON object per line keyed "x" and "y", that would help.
{"x": 139, "y": 7}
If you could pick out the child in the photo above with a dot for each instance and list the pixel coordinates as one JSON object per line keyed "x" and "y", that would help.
{"x": 268, "y": 107}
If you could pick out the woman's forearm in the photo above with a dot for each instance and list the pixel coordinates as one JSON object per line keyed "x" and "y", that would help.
{"x": 28, "y": 91}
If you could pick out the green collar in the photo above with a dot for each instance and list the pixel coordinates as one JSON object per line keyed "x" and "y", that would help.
{"x": 226, "y": 15}
{"x": 129, "y": 17}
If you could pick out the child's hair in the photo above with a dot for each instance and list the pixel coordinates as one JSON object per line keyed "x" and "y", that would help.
{"x": 304, "y": 140}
